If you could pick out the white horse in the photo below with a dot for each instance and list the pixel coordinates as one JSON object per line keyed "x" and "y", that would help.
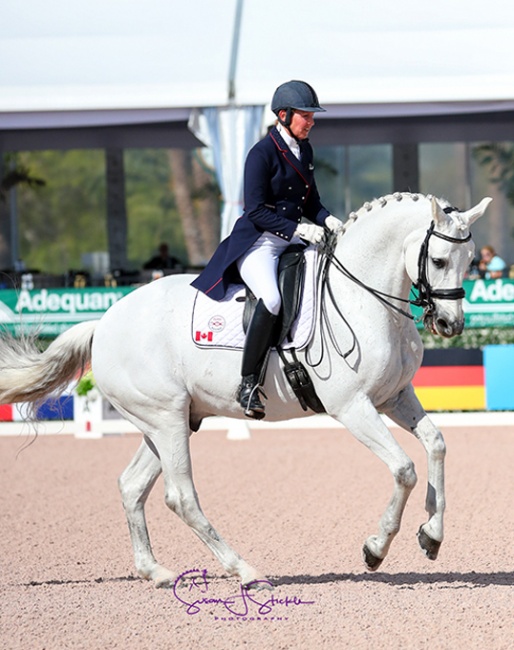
{"x": 361, "y": 359}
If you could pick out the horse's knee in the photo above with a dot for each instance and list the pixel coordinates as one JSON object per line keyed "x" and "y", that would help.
{"x": 406, "y": 475}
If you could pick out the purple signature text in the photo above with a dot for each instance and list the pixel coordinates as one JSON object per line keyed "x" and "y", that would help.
{"x": 192, "y": 589}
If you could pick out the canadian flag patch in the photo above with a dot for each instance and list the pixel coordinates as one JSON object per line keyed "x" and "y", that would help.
{"x": 203, "y": 336}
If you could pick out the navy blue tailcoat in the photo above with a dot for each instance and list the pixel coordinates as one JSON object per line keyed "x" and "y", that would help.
{"x": 278, "y": 191}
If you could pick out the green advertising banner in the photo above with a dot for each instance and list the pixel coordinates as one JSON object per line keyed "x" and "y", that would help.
{"x": 488, "y": 303}
{"x": 48, "y": 312}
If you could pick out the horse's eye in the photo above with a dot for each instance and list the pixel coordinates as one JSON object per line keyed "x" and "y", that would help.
{"x": 438, "y": 263}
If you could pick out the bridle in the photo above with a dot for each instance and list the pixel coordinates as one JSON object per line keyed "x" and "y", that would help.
{"x": 426, "y": 294}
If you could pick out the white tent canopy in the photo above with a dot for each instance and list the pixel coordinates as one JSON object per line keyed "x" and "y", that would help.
{"x": 129, "y": 59}
{"x": 126, "y": 73}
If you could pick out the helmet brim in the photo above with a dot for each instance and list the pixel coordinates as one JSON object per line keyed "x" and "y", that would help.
{"x": 310, "y": 109}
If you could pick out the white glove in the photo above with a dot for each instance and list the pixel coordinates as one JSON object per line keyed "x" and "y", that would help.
{"x": 334, "y": 224}
{"x": 310, "y": 232}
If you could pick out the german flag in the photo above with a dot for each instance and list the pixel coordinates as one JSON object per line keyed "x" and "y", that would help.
{"x": 451, "y": 380}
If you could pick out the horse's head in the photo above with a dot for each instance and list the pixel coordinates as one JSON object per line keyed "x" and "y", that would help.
{"x": 437, "y": 260}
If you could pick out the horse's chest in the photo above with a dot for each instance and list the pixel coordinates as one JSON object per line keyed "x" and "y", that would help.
{"x": 394, "y": 369}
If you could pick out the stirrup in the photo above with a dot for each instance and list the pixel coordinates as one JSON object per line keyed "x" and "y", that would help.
{"x": 249, "y": 398}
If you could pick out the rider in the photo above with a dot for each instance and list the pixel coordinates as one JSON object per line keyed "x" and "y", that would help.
{"x": 279, "y": 190}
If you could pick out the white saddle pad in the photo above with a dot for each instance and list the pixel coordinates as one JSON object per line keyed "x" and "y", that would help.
{"x": 219, "y": 324}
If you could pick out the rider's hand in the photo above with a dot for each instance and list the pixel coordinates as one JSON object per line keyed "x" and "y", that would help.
{"x": 310, "y": 232}
{"x": 334, "y": 224}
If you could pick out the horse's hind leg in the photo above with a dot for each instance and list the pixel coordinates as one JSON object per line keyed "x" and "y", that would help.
{"x": 410, "y": 415}
{"x": 135, "y": 484}
{"x": 364, "y": 422}
{"x": 172, "y": 446}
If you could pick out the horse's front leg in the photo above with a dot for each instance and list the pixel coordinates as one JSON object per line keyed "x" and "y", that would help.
{"x": 407, "y": 411}
{"x": 364, "y": 422}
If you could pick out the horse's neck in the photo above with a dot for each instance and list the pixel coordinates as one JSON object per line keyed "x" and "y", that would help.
{"x": 373, "y": 246}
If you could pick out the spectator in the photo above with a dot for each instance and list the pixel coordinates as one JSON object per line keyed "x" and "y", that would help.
{"x": 163, "y": 260}
{"x": 491, "y": 265}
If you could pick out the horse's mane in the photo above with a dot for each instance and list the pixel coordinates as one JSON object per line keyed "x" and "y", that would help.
{"x": 381, "y": 202}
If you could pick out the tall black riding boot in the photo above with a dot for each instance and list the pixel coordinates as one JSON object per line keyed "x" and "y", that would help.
{"x": 257, "y": 344}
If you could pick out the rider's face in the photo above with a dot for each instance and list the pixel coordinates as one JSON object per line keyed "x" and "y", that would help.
{"x": 301, "y": 123}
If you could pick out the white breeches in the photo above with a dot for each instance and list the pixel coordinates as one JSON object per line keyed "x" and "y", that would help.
{"x": 258, "y": 268}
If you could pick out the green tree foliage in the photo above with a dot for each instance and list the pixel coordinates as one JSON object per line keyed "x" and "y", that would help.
{"x": 66, "y": 218}
{"x": 152, "y": 214}
{"x": 15, "y": 174}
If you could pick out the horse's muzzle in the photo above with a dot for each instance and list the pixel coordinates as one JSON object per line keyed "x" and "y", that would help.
{"x": 443, "y": 324}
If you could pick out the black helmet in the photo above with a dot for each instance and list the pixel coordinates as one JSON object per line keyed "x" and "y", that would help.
{"x": 295, "y": 95}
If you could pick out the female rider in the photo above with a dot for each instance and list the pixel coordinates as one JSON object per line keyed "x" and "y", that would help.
{"x": 279, "y": 191}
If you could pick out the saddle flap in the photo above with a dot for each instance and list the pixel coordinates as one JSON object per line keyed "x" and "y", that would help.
{"x": 291, "y": 279}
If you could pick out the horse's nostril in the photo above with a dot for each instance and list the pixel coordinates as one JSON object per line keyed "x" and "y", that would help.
{"x": 449, "y": 328}
{"x": 442, "y": 324}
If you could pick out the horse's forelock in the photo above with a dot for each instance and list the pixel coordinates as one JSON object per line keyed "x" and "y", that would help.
{"x": 458, "y": 221}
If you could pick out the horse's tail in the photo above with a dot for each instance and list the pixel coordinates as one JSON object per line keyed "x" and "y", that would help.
{"x": 29, "y": 375}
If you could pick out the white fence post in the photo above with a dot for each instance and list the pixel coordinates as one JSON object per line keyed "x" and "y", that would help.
{"x": 238, "y": 430}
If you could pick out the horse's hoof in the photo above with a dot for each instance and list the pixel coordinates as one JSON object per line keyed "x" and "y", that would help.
{"x": 371, "y": 561}
{"x": 428, "y": 545}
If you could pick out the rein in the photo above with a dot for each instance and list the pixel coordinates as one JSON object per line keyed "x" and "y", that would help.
{"x": 425, "y": 299}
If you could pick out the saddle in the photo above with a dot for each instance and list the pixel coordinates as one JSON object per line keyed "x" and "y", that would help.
{"x": 291, "y": 276}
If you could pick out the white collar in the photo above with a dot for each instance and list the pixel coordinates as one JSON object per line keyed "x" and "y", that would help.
{"x": 289, "y": 140}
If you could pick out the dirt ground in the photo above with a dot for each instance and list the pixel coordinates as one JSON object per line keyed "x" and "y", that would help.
{"x": 298, "y": 505}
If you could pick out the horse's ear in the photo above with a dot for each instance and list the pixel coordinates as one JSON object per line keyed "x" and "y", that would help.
{"x": 438, "y": 215}
{"x": 471, "y": 215}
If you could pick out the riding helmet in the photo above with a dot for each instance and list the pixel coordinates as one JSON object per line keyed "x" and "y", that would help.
{"x": 295, "y": 95}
